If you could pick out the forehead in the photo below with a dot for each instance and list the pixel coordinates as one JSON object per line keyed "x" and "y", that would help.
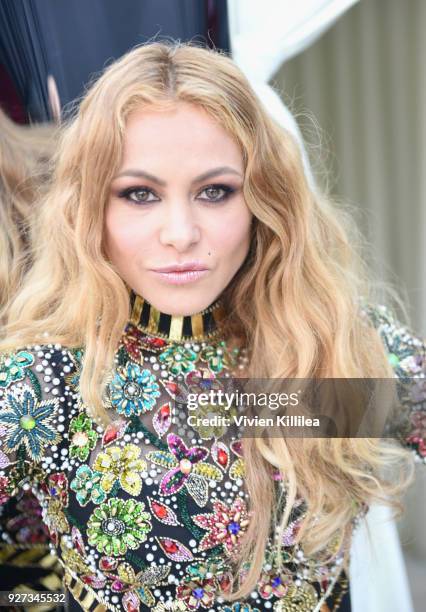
{"x": 182, "y": 133}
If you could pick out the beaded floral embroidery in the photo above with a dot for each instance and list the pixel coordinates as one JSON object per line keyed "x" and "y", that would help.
{"x": 145, "y": 514}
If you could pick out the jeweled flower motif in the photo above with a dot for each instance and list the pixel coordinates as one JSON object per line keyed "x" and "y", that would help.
{"x": 301, "y": 598}
{"x": 133, "y": 390}
{"x": 29, "y": 422}
{"x": 87, "y": 486}
{"x": 217, "y": 566}
{"x": 136, "y": 586}
{"x": 226, "y": 525}
{"x": 203, "y": 582}
{"x": 56, "y": 486}
{"x": 273, "y": 584}
{"x": 12, "y": 367}
{"x": 178, "y": 359}
{"x": 219, "y": 357}
{"x": 197, "y": 592}
{"x": 82, "y": 436}
{"x": 122, "y": 464}
{"x": 183, "y": 462}
{"x": 117, "y": 525}
{"x": 55, "y": 519}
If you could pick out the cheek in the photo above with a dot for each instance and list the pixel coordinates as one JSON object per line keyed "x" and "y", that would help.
{"x": 125, "y": 234}
{"x": 232, "y": 235}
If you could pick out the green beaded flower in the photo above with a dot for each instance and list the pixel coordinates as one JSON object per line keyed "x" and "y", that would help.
{"x": 87, "y": 485}
{"x": 12, "y": 367}
{"x": 178, "y": 359}
{"x": 117, "y": 525}
{"x": 82, "y": 436}
{"x": 219, "y": 357}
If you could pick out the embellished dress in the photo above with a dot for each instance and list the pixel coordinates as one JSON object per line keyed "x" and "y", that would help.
{"x": 147, "y": 513}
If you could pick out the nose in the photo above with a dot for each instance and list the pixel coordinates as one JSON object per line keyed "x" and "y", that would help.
{"x": 179, "y": 227}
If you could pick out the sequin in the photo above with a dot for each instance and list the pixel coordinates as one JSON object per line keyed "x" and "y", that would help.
{"x": 117, "y": 525}
{"x": 24, "y": 405}
{"x": 82, "y": 436}
{"x": 226, "y": 525}
{"x": 133, "y": 390}
{"x": 12, "y": 367}
{"x": 147, "y": 512}
{"x": 122, "y": 464}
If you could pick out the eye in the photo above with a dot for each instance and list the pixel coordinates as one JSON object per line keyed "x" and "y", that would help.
{"x": 138, "y": 195}
{"x": 216, "y": 193}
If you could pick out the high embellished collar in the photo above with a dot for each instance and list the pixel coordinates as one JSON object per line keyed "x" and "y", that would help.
{"x": 203, "y": 325}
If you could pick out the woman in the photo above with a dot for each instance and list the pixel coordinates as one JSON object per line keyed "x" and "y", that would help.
{"x": 180, "y": 246}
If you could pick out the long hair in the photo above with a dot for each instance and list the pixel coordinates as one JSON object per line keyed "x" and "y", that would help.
{"x": 24, "y": 155}
{"x": 303, "y": 273}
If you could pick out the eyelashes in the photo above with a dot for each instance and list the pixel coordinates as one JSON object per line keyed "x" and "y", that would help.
{"x": 127, "y": 193}
{"x": 141, "y": 195}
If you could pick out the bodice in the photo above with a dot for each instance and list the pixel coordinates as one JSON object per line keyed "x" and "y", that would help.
{"x": 148, "y": 511}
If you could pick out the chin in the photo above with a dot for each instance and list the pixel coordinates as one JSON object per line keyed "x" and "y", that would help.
{"x": 181, "y": 306}
{"x": 183, "y": 310}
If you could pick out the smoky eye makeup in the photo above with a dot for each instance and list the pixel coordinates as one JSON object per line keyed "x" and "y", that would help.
{"x": 141, "y": 194}
{"x": 210, "y": 194}
{"x": 216, "y": 192}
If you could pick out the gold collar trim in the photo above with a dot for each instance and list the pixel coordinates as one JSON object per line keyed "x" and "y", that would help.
{"x": 83, "y": 594}
{"x": 203, "y": 325}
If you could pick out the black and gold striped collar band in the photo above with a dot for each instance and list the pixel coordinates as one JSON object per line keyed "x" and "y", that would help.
{"x": 204, "y": 325}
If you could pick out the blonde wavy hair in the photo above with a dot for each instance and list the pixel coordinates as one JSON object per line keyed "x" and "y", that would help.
{"x": 24, "y": 154}
{"x": 304, "y": 275}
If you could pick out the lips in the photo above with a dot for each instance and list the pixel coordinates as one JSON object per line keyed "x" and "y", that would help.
{"x": 186, "y": 267}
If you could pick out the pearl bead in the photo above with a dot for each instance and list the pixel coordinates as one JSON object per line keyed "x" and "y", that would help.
{"x": 185, "y": 466}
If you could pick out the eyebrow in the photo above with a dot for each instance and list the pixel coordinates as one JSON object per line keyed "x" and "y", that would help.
{"x": 198, "y": 179}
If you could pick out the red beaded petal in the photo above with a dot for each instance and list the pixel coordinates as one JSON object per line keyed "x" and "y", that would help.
{"x": 175, "y": 550}
{"x": 163, "y": 513}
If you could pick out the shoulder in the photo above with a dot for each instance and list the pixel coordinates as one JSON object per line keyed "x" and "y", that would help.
{"x": 41, "y": 362}
{"x": 406, "y": 349}
{"x": 35, "y": 386}
{"x": 36, "y": 400}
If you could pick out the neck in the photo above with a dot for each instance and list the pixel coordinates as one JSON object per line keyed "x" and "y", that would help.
{"x": 204, "y": 325}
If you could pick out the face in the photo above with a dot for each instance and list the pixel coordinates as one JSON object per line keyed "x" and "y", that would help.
{"x": 175, "y": 202}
